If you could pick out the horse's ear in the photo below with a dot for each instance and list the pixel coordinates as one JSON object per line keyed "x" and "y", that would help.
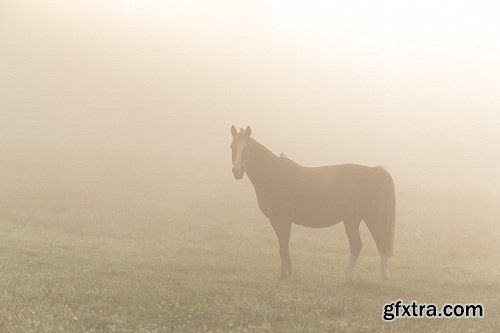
{"x": 233, "y": 130}
{"x": 248, "y": 131}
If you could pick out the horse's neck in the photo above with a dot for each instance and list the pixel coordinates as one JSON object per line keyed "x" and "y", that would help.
{"x": 262, "y": 165}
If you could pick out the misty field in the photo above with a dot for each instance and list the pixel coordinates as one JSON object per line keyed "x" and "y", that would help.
{"x": 122, "y": 242}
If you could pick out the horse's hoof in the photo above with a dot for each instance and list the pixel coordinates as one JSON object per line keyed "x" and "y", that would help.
{"x": 284, "y": 277}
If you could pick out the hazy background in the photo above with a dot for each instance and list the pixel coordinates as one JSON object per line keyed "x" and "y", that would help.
{"x": 118, "y": 208}
{"x": 412, "y": 86}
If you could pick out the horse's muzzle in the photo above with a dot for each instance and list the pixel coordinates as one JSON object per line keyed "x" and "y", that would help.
{"x": 238, "y": 174}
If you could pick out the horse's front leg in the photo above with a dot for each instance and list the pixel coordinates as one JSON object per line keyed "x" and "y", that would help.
{"x": 282, "y": 230}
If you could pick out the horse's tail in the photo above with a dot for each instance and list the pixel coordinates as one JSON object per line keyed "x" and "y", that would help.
{"x": 388, "y": 213}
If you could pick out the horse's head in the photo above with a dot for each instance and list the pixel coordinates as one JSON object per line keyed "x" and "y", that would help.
{"x": 239, "y": 148}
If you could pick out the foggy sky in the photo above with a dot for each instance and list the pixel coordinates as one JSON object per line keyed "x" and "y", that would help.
{"x": 413, "y": 88}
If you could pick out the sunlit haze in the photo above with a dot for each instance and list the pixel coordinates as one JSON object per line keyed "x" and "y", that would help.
{"x": 412, "y": 86}
{"x": 249, "y": 166}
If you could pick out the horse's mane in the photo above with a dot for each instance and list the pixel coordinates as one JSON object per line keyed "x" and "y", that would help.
{"x": 260, "y": 147}
{"x": 282, "y": 158}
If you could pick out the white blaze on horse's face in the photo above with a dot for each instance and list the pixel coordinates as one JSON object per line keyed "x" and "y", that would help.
{"x": 240, "y": 142}
{"x": 238, "y": 164}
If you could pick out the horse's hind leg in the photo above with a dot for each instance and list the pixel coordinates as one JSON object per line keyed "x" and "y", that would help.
{"x": 351, "y": 226}
{"x": 383, "y": 266}
{"x": 374, "y": 228}
{"x": 282, "y": 230}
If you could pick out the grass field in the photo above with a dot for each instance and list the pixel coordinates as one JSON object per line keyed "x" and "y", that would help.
{"x": 124, "y": 242}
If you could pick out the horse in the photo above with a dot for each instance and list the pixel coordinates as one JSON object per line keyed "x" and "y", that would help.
{"x": 318, "y": 197}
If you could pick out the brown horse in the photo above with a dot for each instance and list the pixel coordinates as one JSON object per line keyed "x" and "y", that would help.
{"x": 318, "y": 197}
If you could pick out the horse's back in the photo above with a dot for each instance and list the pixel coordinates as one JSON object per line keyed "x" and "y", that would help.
{"x": 344, "y": 178}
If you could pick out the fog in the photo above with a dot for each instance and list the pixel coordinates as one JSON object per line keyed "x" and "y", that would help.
{"x": 119, "y": 208}
{"x": 410, "y": 86}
